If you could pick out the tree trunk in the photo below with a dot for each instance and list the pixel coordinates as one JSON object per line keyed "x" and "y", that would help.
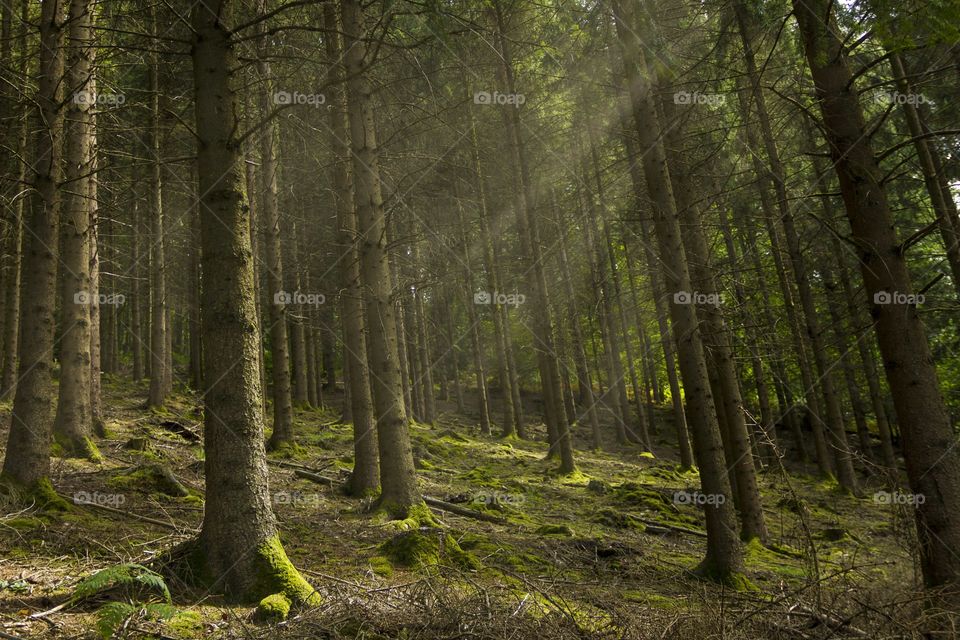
{"x": 397, "y": 476}
{"x": 365, "y": 478}
{"x": 724, "y": 558}
{"x": 238, "y": 538}
{"x": 27, "y": 459}
{"x": 933, "y": 463}
{"x": 269, "y": 216}
{"x": 73, "y": 426}
{"x": 160, "y": 359}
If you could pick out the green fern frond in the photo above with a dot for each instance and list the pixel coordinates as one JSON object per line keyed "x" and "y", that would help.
{"x": 122, "y": 576}
{"x": 111, "y": 615}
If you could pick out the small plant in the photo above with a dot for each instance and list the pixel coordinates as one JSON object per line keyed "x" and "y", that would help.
{"x": 143, "y": 594}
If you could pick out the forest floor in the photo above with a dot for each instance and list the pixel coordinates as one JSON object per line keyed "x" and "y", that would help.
{"x": 606, "y": 552}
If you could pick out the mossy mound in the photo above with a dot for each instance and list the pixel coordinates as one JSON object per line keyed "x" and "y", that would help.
{"x": 616, "y": 519}
{"x": 273, "y": 608}
{"x": 381, "y": 566}
{"x": 554, "y": 530}
{"x": 426, "y": 547}
{"x": 152, "y": 478}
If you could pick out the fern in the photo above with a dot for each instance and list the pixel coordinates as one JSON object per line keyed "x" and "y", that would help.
{"x": 133, "y": 577}
{"x": 111, "y": 615}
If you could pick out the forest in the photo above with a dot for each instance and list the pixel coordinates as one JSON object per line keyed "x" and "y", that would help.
{"x": 480, "y": 319}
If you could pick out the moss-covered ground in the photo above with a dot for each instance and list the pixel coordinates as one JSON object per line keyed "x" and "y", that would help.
{"x": 605, "y": 552}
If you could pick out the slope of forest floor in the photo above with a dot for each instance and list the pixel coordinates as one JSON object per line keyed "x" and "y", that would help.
{"x": 606, "y": 552}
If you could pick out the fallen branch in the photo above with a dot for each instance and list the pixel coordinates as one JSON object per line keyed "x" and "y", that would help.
{"x": 314, "y": 477}
{"x": 671, "y": 527}
{"x": 463, "y": 511}
{"x": 129, "y": 514}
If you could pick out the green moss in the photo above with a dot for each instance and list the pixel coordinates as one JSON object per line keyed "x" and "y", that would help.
{"x": 406, "y": 518}
{"x": 185, "y": 625}
{"x": 617, "y": 519}
{"x": 46, "y": 496}
{"x": 152, "y": 478}
{"x": 276, "y": 574}
{"x": 730, "y": 579}
{"x": 651, "y": 599}
{"x": 554, "y": 530}
{"x": 381, "y": 566}
{"x": 273, "y": 608}
{"x": 83, "y": 448}
{"x": 415, "y": 549}
{"x": 23, "y": 523}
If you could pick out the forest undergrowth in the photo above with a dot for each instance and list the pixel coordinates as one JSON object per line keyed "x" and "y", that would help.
{"x": 606, "y": 552}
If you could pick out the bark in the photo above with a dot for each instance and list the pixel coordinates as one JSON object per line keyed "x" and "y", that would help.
{"x": 238, "y": 541}
{"x": 543, "y": 329}
{"x": 160, "y": 358}
{"x": 27, "y": 459}
{"x": 73, "y": 425}
{"x": 717, "y": 338}
{"x": 724, "y": 557}
{"x": 397, "y": 476}
{"x": 365, "y": 478}
{"x": 269, "y": 217}
{"x": 933, "y": 463}
{"x": 656, "y": 286}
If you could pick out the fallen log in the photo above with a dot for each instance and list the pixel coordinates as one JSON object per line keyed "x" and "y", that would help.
{"x": 314, "y": 477}
{"x": 463, "y": 511}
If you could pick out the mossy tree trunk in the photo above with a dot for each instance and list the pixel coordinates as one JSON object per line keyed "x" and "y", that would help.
{"x": 238, "y": 544}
